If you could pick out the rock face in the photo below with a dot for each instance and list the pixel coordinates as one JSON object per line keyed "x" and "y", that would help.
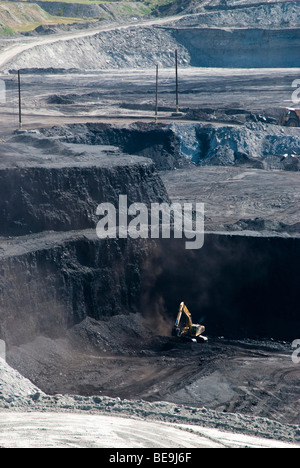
{"x": 64, "y": 199}
{"x": 157, "y": 142}
{"x": 240, "y": 48}
{"x": 51, "y": 280}
{"x": 234, "y": 283}
{"x": 62, "y": 279}
{"x": 259, "y": 145}
{"x": 255, "y": 144}
{"x": 245, "y": 14}
{"x": 259, "y": 37}
{"x": 61, "y": 192}
{"x": 107, "y": 50}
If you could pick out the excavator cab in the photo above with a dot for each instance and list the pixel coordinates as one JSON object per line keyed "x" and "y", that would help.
{"x": 191, "y": 331}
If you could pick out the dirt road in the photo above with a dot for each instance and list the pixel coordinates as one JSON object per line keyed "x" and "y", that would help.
{"x": 17, "y": 46}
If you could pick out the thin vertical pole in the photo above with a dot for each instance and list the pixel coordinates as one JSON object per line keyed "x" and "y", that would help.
{"x": 156, "y": 96}
{"x": 20, "y": 101}
{"x": 177, "y": 87}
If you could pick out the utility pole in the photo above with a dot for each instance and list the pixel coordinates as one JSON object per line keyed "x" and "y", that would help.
{"x": 20, "y": 100}
{"x": 156, "y": 96}
{"x": 177, "y": 87}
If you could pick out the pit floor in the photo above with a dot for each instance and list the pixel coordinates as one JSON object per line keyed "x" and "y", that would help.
{"x": 257, "y": 378}
{"x": 122, "y": 96}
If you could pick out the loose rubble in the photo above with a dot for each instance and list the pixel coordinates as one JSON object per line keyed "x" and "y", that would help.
{"x": 18, "y": 394}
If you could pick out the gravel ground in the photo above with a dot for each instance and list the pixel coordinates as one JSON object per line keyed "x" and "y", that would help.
{"x": 60, "y": 430}
{"x": 17, "y": 394}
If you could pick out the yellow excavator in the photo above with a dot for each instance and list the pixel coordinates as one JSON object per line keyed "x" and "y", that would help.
{"x": 191, "y": 331}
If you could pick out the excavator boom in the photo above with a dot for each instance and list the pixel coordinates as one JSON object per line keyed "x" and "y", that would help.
{"x": 183, "y": 309}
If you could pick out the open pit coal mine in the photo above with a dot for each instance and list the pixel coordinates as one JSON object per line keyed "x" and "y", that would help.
{"x": 85, "y": 316}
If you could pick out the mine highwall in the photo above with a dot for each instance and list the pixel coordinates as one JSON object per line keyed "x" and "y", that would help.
{"x": 240, "y": 47}
{"x": 39, "y": 199}
{"x": 238, "y": 286}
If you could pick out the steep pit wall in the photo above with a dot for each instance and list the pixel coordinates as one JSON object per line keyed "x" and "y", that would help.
{"x": 237, "y": 286}
{"x": 259, "y": 145}
{"x": 54, "y": 281}
{"x": 157, "y": 142}
{"x": 55, "y": 272}
{"x": 240, "y": 48}
{"x": 64, "y": 197}
{"x": 54, "y": 269}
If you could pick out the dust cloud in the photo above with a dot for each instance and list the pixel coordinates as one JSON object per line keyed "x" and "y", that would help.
{"x": 236, "y": 286}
